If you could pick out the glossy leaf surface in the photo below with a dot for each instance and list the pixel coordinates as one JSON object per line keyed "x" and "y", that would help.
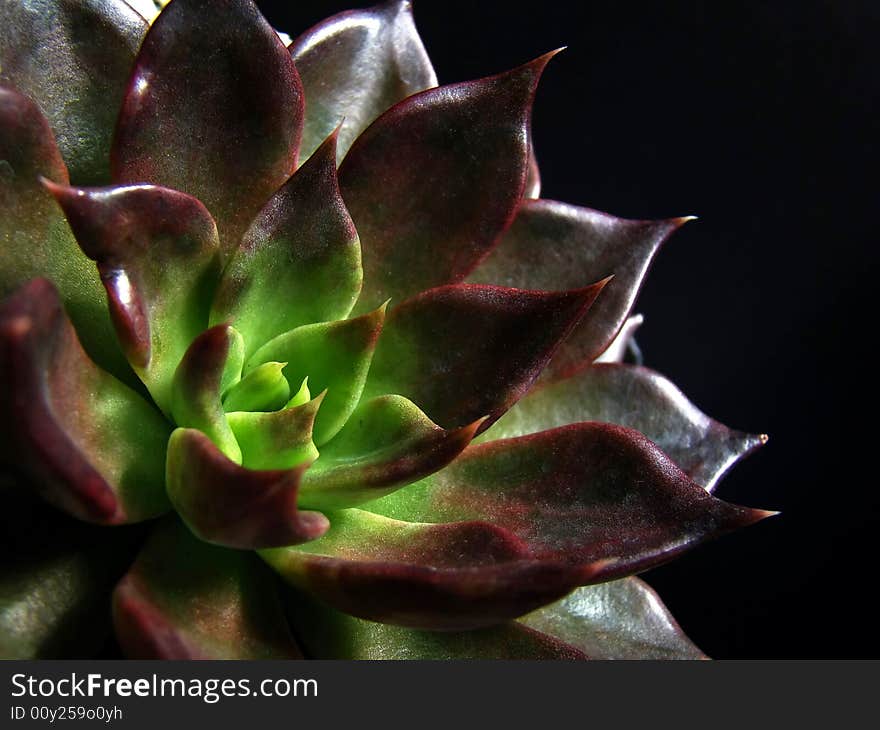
{"x": 623, "y": 341}
{"x": 553, "y": 245}
{"x": 468, "y": 140}
{"x": 386, "y": 443}
{"x": 638, "y": 398}
{"x": 184, "y": 599}
{"x": 354, "y": 66}
{"x": 214, "y": 109}
{"x": 301, "y": 251}
{"x": 85, "y": 442}
{"x": 226, "y": 504}
{"x": 158, "y": 256}
{"x": 463, "y": 352}
{"x": 73, "y": 58}
{"x": 335, "y": 356}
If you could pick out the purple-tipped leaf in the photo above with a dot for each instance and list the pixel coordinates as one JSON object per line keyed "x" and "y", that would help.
{"x": 462, "y": 352}
{"x": 184, "y": 599}
{"x": 73, "y": 57}
{"x": 334, "y": 356}
{"x": 622, "y": 619}
{"x": 213, "y": 108}
{"x": 637, "y": 398}
{"x": 35, "y": 239}
{"x": 435, "y": 180}
{"x": 226, "y": 504}
{"x": 301, "y": 252}
{"x": 354, "y": 66}
{"x": 386, "y": 443}
{"x": 553, "y": 245}
{"x": 158, "y": 257}
{"x": 86, "y": 442}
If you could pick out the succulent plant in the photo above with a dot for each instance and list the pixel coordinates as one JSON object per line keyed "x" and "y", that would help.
{"x": 263, "y": 407}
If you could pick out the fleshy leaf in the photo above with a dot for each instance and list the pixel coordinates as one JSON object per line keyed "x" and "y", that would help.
{"x": 638, "y": 398}
{"x": 533, "y": 176}
{"x": 212, "y": 362}
{"x": 213, "y": 108}
{"x": 56, "y": 575}
{"x": 462, "y": 352}
{"x": 553, "y": 245}
{"x": 86, "y": 442}
{"x": 301, "y": 250}
{"x": 329, "y": 634}
{"x": 623, "y": 342}
{"x": 277, "y": 440}
{"x": 354, "y": 66}
{"x": 623, "y": 619}
{"x": 73, "y": 58}
{"x": 184, "y": 599}
{"x": 226, "y": 504}
{"x": 35, "y": 239}
{"x": 158, "y": 257}
{"x": 263, "y": 389}
{"x": 386, "y": 443}
{"x": 335, "y": 356}
{"x": 468, "y": 140}
{"x": 459, "y": 575}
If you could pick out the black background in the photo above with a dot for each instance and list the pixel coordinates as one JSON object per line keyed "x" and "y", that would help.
{"x": 760, "y": 118}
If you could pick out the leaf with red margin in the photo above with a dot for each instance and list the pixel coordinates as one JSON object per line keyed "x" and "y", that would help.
{"x": 158, "y": 257}
{"x": 553, "y": 245}
{"x": 86, "y": 442}
{"x": 623, "y": 619}
{"x": 73, "y": 59}
{"x": 508, "y": 527}
{"x": 210, "y": 366}
{"x": 469, "y": 141}
{"x": 623, "y": 342}
{"x": 462, "y": 352}
{"x": 329, "y": 634}
{"x": 301, "y": 254}
{"x": 35, "y": 239}
{"x": 184, "y": 599}
{"x": 213, "y": 108}
{"x": 334, "y": 356}
{"x": 56, "y": 575}
{"x": 637, "y": 398}
{"x": 354, "y": 66}
{"x": 386, "y": 443}
{"x": 226, "y": 504}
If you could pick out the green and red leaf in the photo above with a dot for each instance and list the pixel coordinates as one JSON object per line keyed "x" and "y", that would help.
{"x": 553, "y": 245}
{"x": 354, "y": 66}
{"x": 86, "y": 442}
{"x": 469, "y": 141}
{"x": 226, "y": 504}
{"x": 302, "y": 250}
{"x": 213, "y": 108}
{"x": 184, "y": 599}
{"x": 464, "y": 352}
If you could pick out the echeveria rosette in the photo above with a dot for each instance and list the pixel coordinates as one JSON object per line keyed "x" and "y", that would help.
{"x": 357, "y": 407}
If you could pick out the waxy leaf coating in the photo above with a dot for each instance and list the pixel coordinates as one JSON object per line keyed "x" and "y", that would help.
{"x": 301, "y": 250}
{"x": 158, "y": 257}
{"x": 226, "y": 504}
{"x": 469, "y": 141}
{"x": 354, "y": 66}
{"x": 86, "y": 442}
{"x": 553, "y": 245}
{"x": 637, "y": 398}
{"x": 213, "y": 108}
{"x": 73, "y": 57}
{"x": 463, "y": 352}
{"x": 185, "y": 599}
